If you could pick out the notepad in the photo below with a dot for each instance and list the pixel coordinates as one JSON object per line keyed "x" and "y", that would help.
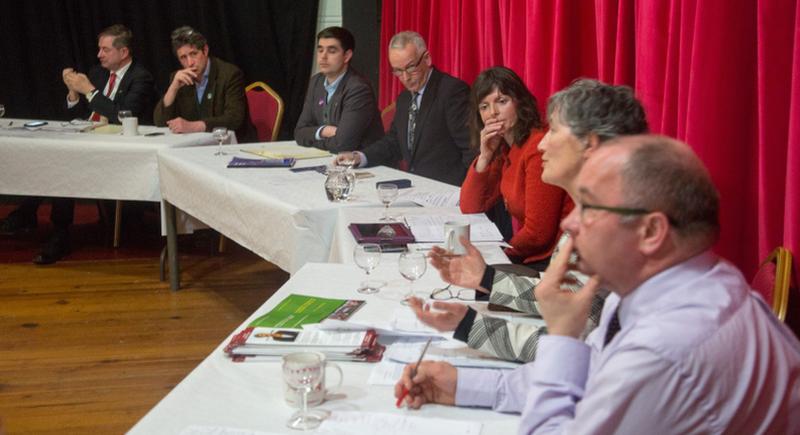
{"x": 239, "y": 162}
{"x": 296, "y": 152}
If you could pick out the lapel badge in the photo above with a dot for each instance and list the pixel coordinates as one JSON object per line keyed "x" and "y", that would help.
{"x": 321, "y": 102}
{"x": 210, "y": 95}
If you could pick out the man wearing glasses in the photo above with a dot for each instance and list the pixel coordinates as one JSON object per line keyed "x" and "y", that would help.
{"x": 118, "y": 83}
{"x": 340, "y": 112}
{"x": 208, "y": 92}
{"x": 683, "y": 344}
{"x": 429, "y": 134}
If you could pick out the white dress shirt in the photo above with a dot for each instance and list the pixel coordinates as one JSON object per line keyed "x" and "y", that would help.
{"x": 697, "y": 352}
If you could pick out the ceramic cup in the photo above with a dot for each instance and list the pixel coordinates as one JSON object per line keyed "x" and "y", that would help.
{"x": 294, "y": 397}
{"x": 453, "y": 231}
{"x": 130, "y": 126}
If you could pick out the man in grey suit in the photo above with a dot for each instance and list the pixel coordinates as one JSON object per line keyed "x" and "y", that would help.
{"x": 429, "y": 134}
{"x": 340, "y": 112}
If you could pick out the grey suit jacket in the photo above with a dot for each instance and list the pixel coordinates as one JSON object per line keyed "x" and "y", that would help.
{"x": 352, "y": 109}
{"x": 441, "y": 139}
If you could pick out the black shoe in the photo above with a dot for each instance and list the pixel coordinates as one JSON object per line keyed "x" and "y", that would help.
{"x": 55, "y": 249}
{"x": 15, "y": 224}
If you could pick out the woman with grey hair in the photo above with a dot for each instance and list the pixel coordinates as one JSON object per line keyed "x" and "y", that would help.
{"x": 581, "y": 118}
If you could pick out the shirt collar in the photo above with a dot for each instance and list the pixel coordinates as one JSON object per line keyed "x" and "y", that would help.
{"x": 121, "y": 72}
{"x": 427, "y": 80}
{"x": 331, "y": 88}
{"x": 204, "y": 81}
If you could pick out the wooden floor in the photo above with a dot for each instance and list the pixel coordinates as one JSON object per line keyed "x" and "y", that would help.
{"x": 90, "y": 347}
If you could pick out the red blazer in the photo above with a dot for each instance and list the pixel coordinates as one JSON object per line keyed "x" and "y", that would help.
{"x": 515, "y": 176}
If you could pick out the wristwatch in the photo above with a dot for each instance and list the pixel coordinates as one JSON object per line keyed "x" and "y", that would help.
{"x": 91, "y": 94}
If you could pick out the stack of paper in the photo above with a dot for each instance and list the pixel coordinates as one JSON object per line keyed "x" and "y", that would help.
{"x": 430, "y": 228}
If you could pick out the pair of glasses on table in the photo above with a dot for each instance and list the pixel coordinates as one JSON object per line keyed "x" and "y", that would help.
{"x": 446, "y": 293}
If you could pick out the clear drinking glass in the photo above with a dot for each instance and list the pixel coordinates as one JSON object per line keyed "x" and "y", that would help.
{"x": 221, "y": 135}
{"x": 346, "y": 159}
{"x": 412, "y": 266}
{"x": 367, "y": 256}
{"x": 2, "y": 110}
{"x": 303, "y": 371}
{"x": 387, "y": 193}
{"x": 122, "y": 114}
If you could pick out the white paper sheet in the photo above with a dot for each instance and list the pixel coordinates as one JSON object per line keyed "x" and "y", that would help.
{"x": 430, "y": 228}
{"x": 432, "y": 199}
{"x": 453, "y": 352}
{"x": 358, "y": 423}
{"x": 386, "y": 373}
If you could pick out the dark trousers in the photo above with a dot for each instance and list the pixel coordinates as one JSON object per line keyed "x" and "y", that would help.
{"x": 61, "y": 213}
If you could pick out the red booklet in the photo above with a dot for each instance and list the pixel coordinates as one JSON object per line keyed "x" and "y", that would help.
{"x": 395, "y": 233}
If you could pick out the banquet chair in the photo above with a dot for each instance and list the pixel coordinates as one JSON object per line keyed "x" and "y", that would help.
{"x": 387, "y": 116}
{"x": 266, "y": 110}
{"x": 773, "y": 280}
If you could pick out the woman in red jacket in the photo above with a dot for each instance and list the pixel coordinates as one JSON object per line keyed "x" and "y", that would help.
{"x": 505, "y": 125}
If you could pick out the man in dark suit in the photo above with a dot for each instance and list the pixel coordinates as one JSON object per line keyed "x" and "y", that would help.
{"x": 429, "y": 133}
{"x": 207, "y": 93}
{"x": 118, "y": 83}
{"x": 340, "y": 112}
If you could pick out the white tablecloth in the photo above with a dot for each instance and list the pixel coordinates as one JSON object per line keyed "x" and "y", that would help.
{"x": 282, "y": 216}
{"x": 250, "y": 395}
{"x": 343, "y": 241}
{"x": 85, "y": 165}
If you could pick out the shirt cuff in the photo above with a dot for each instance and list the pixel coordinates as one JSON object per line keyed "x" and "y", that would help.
{"x": 487, "y": 281}
{"x": 363, "y": 158}
{"x": 562, "y": 359}
{"x": 465, "y": 326}
{"x": 318, "y": 134}
{"x": 477, "y": 387}
{"x": 71, "y": 104}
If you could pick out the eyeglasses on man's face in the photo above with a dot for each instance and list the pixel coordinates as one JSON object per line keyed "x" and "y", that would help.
{"x": 589, "y": 213}
{"x": 411, "y": 69}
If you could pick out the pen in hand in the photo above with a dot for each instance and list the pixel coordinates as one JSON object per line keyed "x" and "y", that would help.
{"x": 413, "y": 373}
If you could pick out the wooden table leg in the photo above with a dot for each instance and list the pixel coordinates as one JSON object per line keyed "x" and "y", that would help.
{"x": 172, "y": 247}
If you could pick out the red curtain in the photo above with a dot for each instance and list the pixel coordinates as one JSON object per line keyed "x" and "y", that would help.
{"x": 722, "y": 75}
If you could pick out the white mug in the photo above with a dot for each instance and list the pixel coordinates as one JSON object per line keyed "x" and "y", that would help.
{"x": 294, "y": 397}
{"x": 453, "y": 231}
{"x": 130, "y": 126}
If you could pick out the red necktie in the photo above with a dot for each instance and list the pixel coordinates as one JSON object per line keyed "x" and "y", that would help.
{"x": 111, "y": 80}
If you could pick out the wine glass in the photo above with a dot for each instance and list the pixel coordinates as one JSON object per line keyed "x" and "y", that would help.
{"x": 122, "y": 114}
{"x": 387, "y": 193}
{"x": 220, "y": 134}
{"x": 2, "y": 110}
{"x": 412, "y": 267}
{"x": 303, "y": 371}
{"x": 367, "y": 257}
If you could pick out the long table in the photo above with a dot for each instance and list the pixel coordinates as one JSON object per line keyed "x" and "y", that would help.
{"x": 282, "y": 216}
{"x": 85, "y": 165}
{"x": 249, "y": 395}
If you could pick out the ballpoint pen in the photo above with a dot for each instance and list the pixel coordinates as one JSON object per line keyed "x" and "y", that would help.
{"x": 413, "y": 373}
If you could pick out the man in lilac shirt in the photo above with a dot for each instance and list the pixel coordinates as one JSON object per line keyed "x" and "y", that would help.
{"x": 683, "y": 345}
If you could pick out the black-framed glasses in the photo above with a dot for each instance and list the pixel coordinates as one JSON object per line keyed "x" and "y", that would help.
{"x": 622, "y": 211}
{"x": 443, "y": 294}
{"x": 411, "y": 69}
